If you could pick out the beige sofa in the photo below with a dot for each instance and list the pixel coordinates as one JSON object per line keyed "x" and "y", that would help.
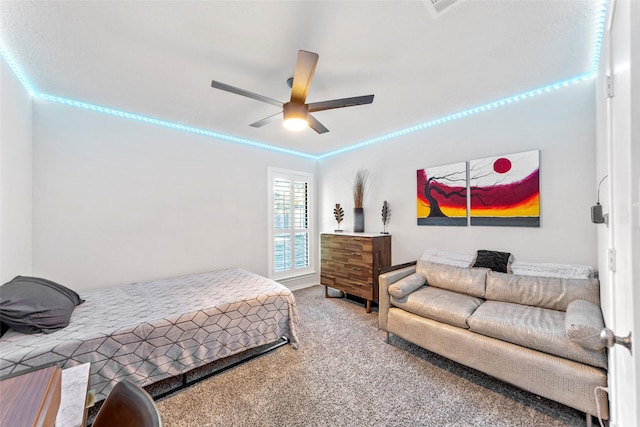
{"x": 538, "y": 333}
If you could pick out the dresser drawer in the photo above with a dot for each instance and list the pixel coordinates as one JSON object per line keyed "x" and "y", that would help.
{"x": 340, "y": 262}
{"x": 363, "y": 272}
{"x": 346, "y": 243}
{"x": 352, "y": 287}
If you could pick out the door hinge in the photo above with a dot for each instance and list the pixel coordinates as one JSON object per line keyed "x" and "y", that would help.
{"x": 609, "y": 86}
{"x": 612, "y": 259}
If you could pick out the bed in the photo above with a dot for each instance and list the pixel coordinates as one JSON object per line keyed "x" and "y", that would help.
{"x": 150, "y": 331}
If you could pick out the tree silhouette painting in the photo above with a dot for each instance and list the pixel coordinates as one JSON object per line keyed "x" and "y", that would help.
{"x": 442, "y": 195}
{"x": 505, "y": 190}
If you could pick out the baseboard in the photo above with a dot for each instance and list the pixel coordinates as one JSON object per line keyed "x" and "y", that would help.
{"x": 300, "y": 282}
{"x": 298, "y": 286}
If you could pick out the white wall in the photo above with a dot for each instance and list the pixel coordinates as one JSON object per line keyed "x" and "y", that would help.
{"x": 117, "y": 201}
{"x": 560, "y": 124}
{"x": 15, "y": 177}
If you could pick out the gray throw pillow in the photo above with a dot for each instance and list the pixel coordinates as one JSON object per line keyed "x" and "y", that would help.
{"x": 32, "y": 304}
{"x": 583, "y": 323}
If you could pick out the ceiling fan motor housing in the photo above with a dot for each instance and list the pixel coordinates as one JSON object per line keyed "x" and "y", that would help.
{"x": 292, "y": 110}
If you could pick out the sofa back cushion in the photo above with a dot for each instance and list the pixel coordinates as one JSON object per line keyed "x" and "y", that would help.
{"x": 547, "y": 292}
{"x": 469, "y": 281}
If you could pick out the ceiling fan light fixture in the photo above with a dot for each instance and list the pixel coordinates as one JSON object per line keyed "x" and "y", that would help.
{"x": 295, "y": 124}
{"x": 295, "y": 116}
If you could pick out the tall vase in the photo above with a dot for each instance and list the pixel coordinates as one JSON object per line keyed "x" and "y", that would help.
{"x": 358, "y": 220}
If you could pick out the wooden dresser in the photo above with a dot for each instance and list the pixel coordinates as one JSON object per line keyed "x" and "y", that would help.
{"x": 351, "y": 262}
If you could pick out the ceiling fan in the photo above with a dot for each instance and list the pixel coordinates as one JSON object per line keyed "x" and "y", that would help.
{"x": 296, "y": 112}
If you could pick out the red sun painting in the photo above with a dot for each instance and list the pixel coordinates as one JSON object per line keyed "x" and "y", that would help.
{"x": 502, "y": 165}
{"x": 505, "y": 190}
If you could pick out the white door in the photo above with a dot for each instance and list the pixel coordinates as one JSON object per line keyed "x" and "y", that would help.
{"x": 621, "y": 272}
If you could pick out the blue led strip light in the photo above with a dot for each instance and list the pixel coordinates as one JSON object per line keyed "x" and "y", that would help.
{"x": 171, "y": 125}
{"x": 471, "y": 111}
{"x": 189, "y": 129}
{"x": 16, "y": 71}
{"x": 595, "y": 63}
{"x": 597, "y": 47}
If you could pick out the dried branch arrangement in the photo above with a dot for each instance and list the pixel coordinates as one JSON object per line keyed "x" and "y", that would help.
{"x": 359, "y": 185}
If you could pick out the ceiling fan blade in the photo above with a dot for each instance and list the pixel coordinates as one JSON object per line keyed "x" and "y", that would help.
{"x": 316, "y": 125}
{"x": 238, "y": 91}
{"x": 340, "y": 103}
{"x": 305, "y": 67}
{"x": 267, "y": 120}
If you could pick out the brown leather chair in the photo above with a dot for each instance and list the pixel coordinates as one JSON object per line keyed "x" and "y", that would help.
{"x": 128, "y": 405}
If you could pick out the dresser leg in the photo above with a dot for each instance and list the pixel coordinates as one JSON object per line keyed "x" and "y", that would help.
{"x": 368, "y": 306}
{"x": 326, "y": 293}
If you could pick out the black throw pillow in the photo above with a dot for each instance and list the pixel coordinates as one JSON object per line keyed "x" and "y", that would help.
{"x": 32, "y": 304}
{"x": 496, "y": 261}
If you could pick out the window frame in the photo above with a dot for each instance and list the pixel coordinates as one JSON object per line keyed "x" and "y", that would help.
{"x": 291, "y": 176}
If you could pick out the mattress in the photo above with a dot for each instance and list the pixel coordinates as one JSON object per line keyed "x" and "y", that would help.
{"x": 150, "y": 331}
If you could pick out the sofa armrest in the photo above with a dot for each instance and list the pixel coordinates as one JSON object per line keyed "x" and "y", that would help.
{"x": 397, "y": 267}
{"x": 583, "y": 323}
{"x": 384, "y": 281}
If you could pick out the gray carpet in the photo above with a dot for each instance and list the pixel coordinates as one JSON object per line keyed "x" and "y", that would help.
{"x": 345, "y": 374}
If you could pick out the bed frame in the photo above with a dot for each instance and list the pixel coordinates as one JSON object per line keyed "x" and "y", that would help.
{"x": 148, "y": 332}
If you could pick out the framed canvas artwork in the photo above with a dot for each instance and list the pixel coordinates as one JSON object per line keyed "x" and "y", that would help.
{"x": 505, "y": 190}
{"x": 442, "y": 195}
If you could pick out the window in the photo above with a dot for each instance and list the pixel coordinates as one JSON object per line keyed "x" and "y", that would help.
{"x": 290, "y": 237}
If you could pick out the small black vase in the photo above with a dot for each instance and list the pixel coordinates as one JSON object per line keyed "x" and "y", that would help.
{"x": 358, "y": 220}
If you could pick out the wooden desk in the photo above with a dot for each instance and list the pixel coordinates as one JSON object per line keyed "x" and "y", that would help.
{"x": 45, "y": 397}
{"x": 31, "y": 399}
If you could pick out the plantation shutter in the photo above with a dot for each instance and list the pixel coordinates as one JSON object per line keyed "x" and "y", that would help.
{"x": 290, "y": 218}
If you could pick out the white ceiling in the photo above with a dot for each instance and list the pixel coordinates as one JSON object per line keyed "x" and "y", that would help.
{"x": 158, "y": 58}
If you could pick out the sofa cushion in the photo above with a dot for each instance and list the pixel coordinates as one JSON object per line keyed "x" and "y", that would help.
{"x": 583, "y": 323}
{"x": 548, "y": 292}
{"x": 533, "y": 327}
{"x": 470, "y": 281}
{"x": 406, "y": 285}
{"x": 439, "y": 304}
{"x": 496, "y": 261}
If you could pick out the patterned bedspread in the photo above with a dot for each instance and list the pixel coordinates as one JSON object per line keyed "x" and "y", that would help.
{"x": 150, "y": 331}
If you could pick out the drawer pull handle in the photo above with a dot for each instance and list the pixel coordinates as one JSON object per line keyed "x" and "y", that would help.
{"x": 356, "y": 269}
{"x": 356, "y": 253}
